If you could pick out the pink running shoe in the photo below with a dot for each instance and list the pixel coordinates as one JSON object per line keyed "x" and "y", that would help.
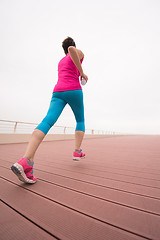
{"x": 78, "y": 155}
{"x": 24, "y": 170}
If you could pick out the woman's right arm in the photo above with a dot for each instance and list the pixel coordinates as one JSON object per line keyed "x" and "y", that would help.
{"x": 76, "y": 55}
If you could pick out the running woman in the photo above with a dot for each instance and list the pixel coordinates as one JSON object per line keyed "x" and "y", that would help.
{"x": 67, "y": 91}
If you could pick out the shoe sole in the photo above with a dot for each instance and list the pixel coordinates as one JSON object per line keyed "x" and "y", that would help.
{"x": 18, "y": 171}
{"x": 77, "y": 158}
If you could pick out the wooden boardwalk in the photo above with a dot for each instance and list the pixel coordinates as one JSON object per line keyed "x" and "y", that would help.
{"x": 112, "y": 194}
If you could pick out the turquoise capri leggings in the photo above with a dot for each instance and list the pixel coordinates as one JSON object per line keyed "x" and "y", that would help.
{"x": 58, "y": 101}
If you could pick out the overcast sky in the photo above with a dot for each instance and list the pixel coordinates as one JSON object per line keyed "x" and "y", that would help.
{"x": 121, "y": 43}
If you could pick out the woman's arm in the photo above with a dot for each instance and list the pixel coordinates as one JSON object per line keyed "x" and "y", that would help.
{"x": 76, "y": 55}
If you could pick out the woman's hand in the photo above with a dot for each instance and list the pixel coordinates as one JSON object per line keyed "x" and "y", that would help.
{"x": 84, "y": 76}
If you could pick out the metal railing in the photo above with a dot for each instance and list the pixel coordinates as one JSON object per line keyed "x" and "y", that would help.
{"x": 7, "y": 126}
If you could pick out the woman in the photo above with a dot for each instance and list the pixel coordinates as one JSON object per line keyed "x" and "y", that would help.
{"x": 67, "y": 91}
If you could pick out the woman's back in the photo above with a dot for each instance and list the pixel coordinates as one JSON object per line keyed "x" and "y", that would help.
{"x": 68, "y": 75}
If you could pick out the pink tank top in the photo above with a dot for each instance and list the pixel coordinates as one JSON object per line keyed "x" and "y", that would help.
{"x": 68, "y": 75}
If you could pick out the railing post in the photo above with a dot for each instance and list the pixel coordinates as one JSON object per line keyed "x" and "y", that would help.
{"x": 15, "y": 126}
{"x": 92, "y": 131}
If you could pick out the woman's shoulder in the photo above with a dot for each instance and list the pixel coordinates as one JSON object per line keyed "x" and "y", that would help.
{"x": 79, "y": 52}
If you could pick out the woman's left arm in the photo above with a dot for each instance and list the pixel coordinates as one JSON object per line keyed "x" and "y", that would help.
{"x": 76, "y": 55}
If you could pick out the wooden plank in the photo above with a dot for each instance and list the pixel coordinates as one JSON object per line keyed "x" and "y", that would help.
{"x": 57, "y": 219}
{"x": 106, "y": 168}
{"x": 94, "y": 180}
{"x": 131, "y": 200}
{"x": 84, "y": 168}
{"x": 125, "y": 186}
{"x": 132, "y": 220}
{"x": 138, "y": 153}
{"x": 131, "y": 152}
{"x": 112, "y": 168}
{"x": 15, "y": 226}
{"x": 142, "y": 203}
{"x": 101, "y": 169}
{"x": 122, "y": 178}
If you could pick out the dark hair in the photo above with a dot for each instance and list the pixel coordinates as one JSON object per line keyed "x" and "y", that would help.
{"x": 67, "y": 43}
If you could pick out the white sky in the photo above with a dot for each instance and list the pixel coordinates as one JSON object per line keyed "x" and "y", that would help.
{"x": 121, "y": 43}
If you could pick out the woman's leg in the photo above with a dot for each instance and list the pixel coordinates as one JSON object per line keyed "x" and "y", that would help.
{"x": 56, "y": 107}
{"x": 75, "y": 101}
{"x": 78, "y": 139}
{"x": 35, "y": 140}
